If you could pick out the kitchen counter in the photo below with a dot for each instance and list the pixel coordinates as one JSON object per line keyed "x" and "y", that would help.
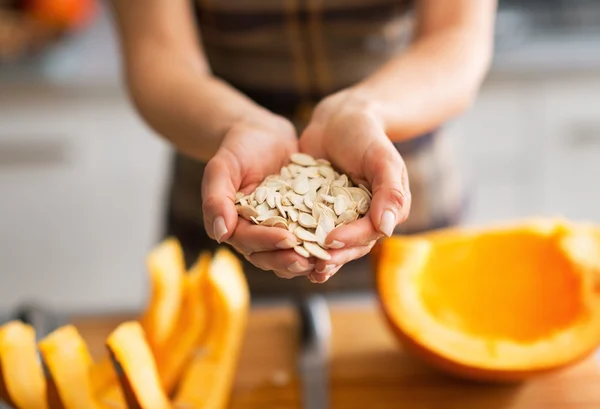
{"x": 368, "y": 368}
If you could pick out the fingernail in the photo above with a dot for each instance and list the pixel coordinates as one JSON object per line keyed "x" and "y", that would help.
{"x": 296, "y": 267}
{"x": 311, "y": 278}
{"x": 286, "y": 243}
{"x": 388, "y": 222}
{"x": 335, "y": 245}
{"x": 327, "y": 269}
{"x": 219, "y": 228}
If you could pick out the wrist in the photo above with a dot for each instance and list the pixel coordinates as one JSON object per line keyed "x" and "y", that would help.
{"x": 362, "y": 102}
{"x": 351, "y": 103}
{"x": 265, "y": 121}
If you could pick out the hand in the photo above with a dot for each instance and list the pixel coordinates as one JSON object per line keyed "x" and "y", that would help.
{"x": 346, "y": 130}
{"x": 250, "y": 151}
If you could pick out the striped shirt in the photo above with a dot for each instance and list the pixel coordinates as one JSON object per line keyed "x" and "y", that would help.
{"x": 287, "y": 55}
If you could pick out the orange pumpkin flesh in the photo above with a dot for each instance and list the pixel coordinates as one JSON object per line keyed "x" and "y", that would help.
{"x": 190, "y": 325}
{"x": 496, "y": 304}
{"x": 103, "y": 376}
{"x": 68, "y": 361}
{"x": 22, "y": 383}
{"x": 139, "y": 380}
{"x": 166, "y": 266}
{"x": 208, "y": 380}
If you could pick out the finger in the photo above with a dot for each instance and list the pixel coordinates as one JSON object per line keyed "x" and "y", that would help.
{"x": 250, "y": 238}
{"x": 322, "y": 278}
{"x": 391, "y": 201}
{"x": 341, "y": 257}
{"x": 285, "y": 263}
{"x": 357, "y": 233}
{"x": 219, "y": 186}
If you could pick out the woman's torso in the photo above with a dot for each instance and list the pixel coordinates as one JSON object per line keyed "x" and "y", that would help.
{"x": 286, "y": 53}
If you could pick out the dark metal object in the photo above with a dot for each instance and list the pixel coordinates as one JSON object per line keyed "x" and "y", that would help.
{"x": 314, "y": 352}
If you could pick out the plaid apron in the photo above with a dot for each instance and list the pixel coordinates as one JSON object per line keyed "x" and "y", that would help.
{"x": 287, "y": 55}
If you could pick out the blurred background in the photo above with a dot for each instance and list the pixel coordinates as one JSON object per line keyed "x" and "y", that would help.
{"x": 82, "y": 179}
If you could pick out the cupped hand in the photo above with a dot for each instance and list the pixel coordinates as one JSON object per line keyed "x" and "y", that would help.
{"x": 346, "y": 129}
{"x": 250, "y": 151}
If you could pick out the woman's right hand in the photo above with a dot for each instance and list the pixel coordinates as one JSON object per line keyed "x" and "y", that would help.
{"x": 250, "y": 151}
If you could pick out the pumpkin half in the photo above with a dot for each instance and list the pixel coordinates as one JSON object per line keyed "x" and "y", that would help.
{"x": 501, "y": 303}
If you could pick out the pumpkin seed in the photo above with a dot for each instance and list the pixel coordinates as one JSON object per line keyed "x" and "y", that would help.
{"x": 303, "y": 159}
{"x": 266, "y": 215}
{"x": 306, "y": 220}
{"x": 261, "y": 194}
{"x": 347, "y": 217}
{"x": 301, "y": 185}
{"x": 304, "y": 234}
{"x": 275, "y": 221}
{"x": 316, "y": 250}
{"x": 247, "y": 211}
{"x": 302, "y": 251}
{"x": 340, "y": 206}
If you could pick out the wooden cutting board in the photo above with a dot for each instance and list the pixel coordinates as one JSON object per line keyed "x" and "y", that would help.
{"x": 370, "y": 370}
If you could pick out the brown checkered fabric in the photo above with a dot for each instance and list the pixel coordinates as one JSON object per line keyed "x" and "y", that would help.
{"x": 287, "y": 55}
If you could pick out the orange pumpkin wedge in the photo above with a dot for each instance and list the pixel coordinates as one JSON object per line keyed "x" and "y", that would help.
{"x": 501, "y": 303}
{"x": 180, "y": 346}
{"x": 166, "y": 267}
{"x": 68, "y": 361}
{"x": 167, "y": 272}
{"x": 208, "y": 380}
{"x": 22, "y": 383}
{"x": 139, "y": 377}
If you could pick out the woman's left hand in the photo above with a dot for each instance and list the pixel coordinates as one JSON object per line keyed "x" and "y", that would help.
{"x": 346, "y": 130}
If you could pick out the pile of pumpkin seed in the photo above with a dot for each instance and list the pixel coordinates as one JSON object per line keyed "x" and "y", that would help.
{"x": 309, "y": 198}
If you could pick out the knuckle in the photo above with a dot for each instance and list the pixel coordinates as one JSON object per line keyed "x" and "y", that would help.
{"x": 397, "y": 197}
{"x": 209, "y": 204}
{"x": 213, "y": 166}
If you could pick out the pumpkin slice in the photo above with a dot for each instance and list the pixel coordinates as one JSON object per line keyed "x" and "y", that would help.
{"x": 68, "y": 362}
{"x": 166, "y": 267}
{"x": 208, "y": 380}
{"x": 136, "y": 367}
{"x": 500, "y": 303}
{"x": 180, "y": 346}
{"x": 22, "y": 383}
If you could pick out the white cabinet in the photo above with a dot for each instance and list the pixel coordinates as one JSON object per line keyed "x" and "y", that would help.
{"x": 531, "y": 146}
{"x": 81, "y": 188}
{"x": 493, "y": 142}
{"x": 570, "y": 181}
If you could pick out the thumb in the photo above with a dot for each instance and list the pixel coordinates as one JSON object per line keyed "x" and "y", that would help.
{"x": 391, "y": 201}
{"x": 219, "y": 186}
